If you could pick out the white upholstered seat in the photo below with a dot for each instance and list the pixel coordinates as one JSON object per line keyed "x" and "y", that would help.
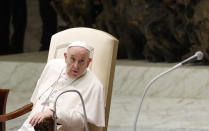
{"x": 103, "y": 64}
{"x": 104, "y": 57}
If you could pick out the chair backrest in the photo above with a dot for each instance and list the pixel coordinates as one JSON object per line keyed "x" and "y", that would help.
{"x": 104, "y": 56}
{"x": 3, "y": 100}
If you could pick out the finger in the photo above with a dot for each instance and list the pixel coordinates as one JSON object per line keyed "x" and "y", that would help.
{"x": 40, "y": 120}
{"x": 32, "y": 120}
{"x": 36, "y": 120}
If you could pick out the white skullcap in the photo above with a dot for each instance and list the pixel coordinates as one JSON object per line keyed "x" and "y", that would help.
{"x": 84, "y": 45}
{"x": 81, "y": 44}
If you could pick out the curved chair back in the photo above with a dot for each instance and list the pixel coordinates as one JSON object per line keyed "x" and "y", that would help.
{"x": 104, "y": 56}
{"x": 3, "y": 100}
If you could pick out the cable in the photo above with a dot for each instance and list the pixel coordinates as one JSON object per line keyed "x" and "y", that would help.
{"x": 83, "y": 105}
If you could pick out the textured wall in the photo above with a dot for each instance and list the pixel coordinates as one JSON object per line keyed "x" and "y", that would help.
{"x": 156, "y": 30}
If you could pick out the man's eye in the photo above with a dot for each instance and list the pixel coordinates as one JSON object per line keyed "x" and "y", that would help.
{"x": 72, "y": 59}
{"x": 81, "y": 61}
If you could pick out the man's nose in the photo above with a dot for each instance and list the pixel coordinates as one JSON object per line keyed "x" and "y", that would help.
{"x": 76, "y": 64}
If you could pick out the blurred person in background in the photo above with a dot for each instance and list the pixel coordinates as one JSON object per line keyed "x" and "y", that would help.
{"x": 13, "y": 11}
{"x": 49, "y": 23}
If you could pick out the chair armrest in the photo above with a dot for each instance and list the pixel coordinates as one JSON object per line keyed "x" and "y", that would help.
{"x": 21, "y": 111}
{"x": 92, "y": 127}
{"x": 47, "y": 125}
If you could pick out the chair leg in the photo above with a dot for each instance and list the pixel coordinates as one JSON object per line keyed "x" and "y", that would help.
{"x": 2, "y": 126}
{"x": 3, "y": 101}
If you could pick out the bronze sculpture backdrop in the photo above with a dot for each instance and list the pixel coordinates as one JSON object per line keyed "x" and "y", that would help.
{"x": 156, "y": 30}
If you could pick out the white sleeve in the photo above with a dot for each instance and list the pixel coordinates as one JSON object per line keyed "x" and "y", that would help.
{"x": 40, "y": 81}
{"x": 72, "y": 119}
{"x": 35, "y": 92}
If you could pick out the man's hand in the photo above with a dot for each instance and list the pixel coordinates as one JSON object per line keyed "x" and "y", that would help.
{"x": 39, "y": 117}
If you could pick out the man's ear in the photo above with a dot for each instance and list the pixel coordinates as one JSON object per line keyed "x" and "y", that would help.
{"x": 89, "y": 61}
{"x": 65, "y": 55}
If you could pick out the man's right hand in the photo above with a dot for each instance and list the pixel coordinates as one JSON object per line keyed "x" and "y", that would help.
{"x": 39, "y": 117}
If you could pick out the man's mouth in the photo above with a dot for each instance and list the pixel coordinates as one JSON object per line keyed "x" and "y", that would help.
{"x": 74, "y": 71}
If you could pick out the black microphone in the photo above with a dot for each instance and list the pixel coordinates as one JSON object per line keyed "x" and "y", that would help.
{"x": 197, "y": 56}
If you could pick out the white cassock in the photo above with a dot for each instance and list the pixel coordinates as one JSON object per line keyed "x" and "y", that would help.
{"x": 52, "y": 82}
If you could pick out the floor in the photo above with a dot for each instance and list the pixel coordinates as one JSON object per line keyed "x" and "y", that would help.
{"x": 176, "y": 102}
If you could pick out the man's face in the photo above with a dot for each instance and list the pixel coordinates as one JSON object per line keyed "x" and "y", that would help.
{"x": 77, "y": 60}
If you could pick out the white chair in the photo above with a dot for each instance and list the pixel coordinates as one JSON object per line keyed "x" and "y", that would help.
{"x": 103, "y": 64}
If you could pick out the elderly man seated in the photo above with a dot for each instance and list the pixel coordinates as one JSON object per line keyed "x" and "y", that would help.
{"x": 64, "y": 74}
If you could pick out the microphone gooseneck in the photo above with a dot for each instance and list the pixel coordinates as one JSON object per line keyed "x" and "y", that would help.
{"x": 197, "y": 56}
{"x": 83, "y": 105}
{"x": 147, "y": 87}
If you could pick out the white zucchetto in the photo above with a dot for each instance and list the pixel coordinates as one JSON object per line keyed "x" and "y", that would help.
{"x": 84, "y": 45}
{"x": 81, "y": 44}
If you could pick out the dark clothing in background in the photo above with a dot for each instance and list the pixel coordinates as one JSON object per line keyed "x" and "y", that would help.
{"x": 49, "y": 20}
{"x": 14, "y": 12}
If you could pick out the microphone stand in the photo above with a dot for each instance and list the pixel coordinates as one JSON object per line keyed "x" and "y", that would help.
{"x": 84, "y": 110}
{"x": 148, "y": 86}
{"x": 197, "y": 56}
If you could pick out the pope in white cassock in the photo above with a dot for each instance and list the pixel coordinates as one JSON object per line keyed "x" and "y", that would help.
{"x": 64, "y": 74}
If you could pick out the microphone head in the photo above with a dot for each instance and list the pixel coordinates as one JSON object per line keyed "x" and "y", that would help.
{"x": 199, "y": 55}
